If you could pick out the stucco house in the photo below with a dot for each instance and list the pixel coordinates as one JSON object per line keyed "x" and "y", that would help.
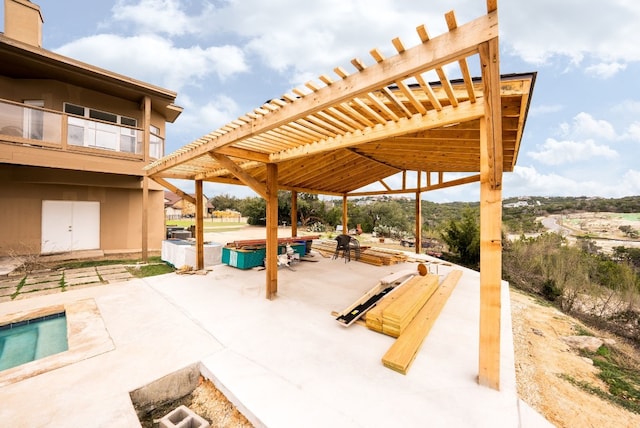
{"x": 176, "y": 206}
{"x": 74, "y": 139}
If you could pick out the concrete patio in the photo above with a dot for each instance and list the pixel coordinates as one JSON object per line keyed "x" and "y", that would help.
{"x": 284, "y": 363}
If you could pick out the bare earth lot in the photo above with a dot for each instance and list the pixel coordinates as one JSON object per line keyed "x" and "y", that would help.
{"x": 541, "y": 357}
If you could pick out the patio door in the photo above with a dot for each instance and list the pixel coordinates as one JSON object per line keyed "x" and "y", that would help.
{"x": 70, "y": 226}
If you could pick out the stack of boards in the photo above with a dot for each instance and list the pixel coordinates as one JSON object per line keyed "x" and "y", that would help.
{"x": 408, "y": 312}
{"x": 372, "y": 256}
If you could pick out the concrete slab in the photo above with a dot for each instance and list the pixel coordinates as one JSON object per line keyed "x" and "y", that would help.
{"x": 151, "y": 338}
{"x": 284, "y": 362}
{"x": 35, "y": 286}
{"x": 40, "y": 278}
{"x": 109, "y": 269}
{"x": 117, "y": 276}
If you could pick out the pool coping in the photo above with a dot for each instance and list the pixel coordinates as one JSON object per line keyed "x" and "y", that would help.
{"x": 86, "y": 334}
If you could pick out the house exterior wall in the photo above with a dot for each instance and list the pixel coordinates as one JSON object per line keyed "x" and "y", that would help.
{"x": 49, "y": 154}
{"x": 120, "y": 199}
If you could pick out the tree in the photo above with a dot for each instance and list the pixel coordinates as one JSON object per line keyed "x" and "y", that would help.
{"x": 255, "y": 210}
{"x": 225, "y": 202}
{"x": 310, "y": 209}
{"x": 463, "y": 237}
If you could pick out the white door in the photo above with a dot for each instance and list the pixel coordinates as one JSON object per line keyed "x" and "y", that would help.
{"x": 70, "y": 226}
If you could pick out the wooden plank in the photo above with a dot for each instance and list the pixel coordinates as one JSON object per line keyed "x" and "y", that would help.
{"x": 404, "y": 350}
{"x": 397, "y": 316}
{"x": 373, "y": 296}
{"x": 374, "y": 315}
{"x": 362, "y": 305}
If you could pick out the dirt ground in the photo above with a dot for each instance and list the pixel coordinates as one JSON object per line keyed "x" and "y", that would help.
{"x": 541, "y": 357}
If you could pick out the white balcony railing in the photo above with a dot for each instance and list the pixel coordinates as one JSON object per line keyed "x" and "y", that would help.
{"x": 45, "y": 126}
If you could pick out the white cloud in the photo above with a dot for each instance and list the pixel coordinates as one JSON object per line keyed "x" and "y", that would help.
{"x": 554, "y": 152}
{"x": 627, "y": 107}
{"x": 528, "y": 181}
{"x": 586, "y": 126}
{"x": 154, "y": 16}
{"x": 197, "y": 120}
{"x": 577, "y": 30}
{"x": 157, "y": 60}
{"x": 631, "y": 182}
{"x": 542, "y": 109}
{"x": 605, "y": 70}
{"x": 633, "y": 132}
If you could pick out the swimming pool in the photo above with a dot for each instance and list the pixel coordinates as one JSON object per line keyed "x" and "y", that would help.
{"x": 29, "y": 340}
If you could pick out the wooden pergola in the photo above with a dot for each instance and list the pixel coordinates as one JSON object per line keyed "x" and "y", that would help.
{"x": 340, "y": 134}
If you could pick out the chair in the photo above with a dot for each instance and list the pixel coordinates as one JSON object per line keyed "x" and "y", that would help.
{"x": 346, "y": 243}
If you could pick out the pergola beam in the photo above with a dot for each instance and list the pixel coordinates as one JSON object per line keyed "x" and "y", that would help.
{"x": 247, "y": 179}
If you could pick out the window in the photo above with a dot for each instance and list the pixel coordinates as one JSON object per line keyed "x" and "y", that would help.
{"x": 99, "y": 115}
{"x": 90, "y": 133}
{"x": 33, "y": 122}
{"x": 156, "y": 143}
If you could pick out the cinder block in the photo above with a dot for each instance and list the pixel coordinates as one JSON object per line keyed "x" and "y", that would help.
{"x": 183, "y": 417}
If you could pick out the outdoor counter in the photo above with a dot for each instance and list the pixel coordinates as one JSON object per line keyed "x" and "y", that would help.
{"x": 180, "y": 252}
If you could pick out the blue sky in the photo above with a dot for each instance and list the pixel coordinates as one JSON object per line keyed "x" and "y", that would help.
{"x": 226, "y": 57}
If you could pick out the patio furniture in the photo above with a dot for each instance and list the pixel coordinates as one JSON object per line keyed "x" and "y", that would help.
{"x": 346, "y": 243}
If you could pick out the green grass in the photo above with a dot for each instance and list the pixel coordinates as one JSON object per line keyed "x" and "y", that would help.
{"x": 210, "y": 225}
{"x": 630, "y": 216}
{"x": 150, "y": 270}
{"x": 623, "y": 382}
{"x": 155, "y": 267}
{"x": 581, "y": 331}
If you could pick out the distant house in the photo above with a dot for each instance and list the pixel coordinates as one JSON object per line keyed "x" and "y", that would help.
{"x": 176, "y": 207}
{"x": 518, "y": 204}
{"x": 74, "y": 140}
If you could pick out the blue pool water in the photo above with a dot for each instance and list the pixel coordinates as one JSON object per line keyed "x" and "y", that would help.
{"x": 26, "y": 341}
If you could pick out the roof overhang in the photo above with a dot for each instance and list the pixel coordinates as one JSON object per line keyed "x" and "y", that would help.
{"x": 23, "y": 61}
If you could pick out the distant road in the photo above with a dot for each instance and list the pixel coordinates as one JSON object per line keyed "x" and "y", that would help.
{"x": 551, "y": 223}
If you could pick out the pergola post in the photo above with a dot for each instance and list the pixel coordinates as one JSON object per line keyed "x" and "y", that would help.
{"x": 146, "y": 138}
{"x": 294, "y": 213}
{"x": 145, "y": 220}
{"x": 345, "y": 217}
{"x": 272, "y": 231}
{"x": 418, "y": 241}
{"x": 199, "y": 226}
{"x": 491, "y": 168}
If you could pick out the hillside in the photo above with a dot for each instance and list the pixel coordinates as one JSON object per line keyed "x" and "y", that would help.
{"x": 547, "y": 369}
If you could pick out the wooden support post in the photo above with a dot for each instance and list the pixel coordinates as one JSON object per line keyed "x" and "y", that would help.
{"x": 345, "y": 215}
{"x": 199, "y": 226}
{"x": 491, "y": 169}
{"x": 146, "y": 138}
{"x": 294, "y": 213}
{"x": 145, "y": 220}
{"x": 272, "y": 231}
{"x": 418, "y": 243}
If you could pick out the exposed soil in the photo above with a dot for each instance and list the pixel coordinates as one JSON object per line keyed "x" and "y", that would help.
{"x": 206, "y": 401}
{"x": 542, "y": 357}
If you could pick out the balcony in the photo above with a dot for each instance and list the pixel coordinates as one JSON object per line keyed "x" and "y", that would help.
{"x": 34, "y": 126}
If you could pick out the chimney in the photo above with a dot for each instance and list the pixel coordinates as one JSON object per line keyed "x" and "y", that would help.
{"x": 23, "y": 22}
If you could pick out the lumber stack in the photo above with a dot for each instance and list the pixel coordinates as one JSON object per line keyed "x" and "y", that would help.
{"x": 393, "y": 314}
{"x": 404, "y": 350}
{"x": 372, "y": 256}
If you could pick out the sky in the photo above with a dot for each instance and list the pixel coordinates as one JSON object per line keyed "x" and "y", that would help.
{"x": 225, "y": 58}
